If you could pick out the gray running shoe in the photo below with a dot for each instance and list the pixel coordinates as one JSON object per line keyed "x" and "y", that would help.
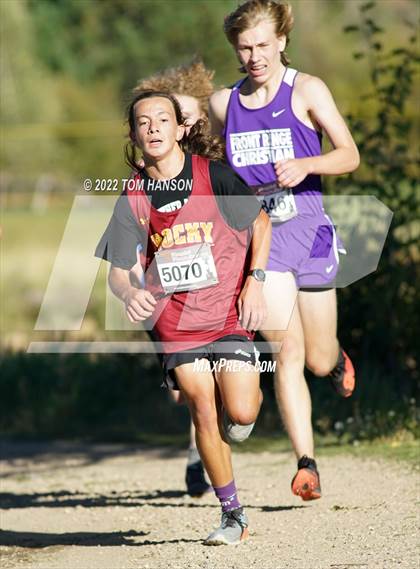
{"x": 235, "y": 433}
{"x": 232, "y": 531}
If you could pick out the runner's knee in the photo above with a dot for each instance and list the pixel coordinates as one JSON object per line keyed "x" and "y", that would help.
{"x": 319, "y": 362}
{"x": 292, "y": 352}
{"x": 245, "y": 414}
{"x": 244, "y": 411}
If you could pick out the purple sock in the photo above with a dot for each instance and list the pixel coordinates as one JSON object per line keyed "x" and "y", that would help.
{"x": 227, "y": 496}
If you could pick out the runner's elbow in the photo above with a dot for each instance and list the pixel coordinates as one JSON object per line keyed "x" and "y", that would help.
{"x": 354, "y": 159}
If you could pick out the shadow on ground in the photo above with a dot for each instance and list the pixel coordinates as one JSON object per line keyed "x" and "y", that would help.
{"x": 40, "y": 540}
{"x": 45, "y": 455}
{"x": 68, "y": 499}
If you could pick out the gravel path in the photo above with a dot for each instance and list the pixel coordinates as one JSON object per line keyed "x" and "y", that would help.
{"x": 115, "y": 506}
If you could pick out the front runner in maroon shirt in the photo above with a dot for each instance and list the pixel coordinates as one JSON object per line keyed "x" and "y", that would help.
{"x": 191, "y": 84}
{"x": 203, "y": 295}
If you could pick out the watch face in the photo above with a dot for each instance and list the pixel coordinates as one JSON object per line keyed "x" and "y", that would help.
{"x": 259, "y": 274}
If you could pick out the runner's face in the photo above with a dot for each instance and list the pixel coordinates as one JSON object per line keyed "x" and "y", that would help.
{"x": 190, "y": 108}
{"x": 259, "y": 49}
{"x": 157, "y": 131}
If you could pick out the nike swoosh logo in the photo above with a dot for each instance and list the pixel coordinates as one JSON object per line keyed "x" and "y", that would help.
{"x": 277, "y": 114}
{"x": 329, "y": 269}
{"x": 242, "y": 352}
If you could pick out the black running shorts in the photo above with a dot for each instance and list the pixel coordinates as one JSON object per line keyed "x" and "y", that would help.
{"x": 231, "y": 347}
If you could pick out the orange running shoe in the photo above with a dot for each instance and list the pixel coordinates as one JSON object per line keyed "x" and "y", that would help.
{"x": 306, "y": 482}
{"x": 342, "y": 376}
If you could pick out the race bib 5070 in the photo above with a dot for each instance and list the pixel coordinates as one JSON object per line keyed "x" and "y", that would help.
{"x": 187, "y": 268}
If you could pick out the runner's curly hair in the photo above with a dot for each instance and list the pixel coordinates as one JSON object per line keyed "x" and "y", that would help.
{"x": 251, "y": 13}
{"x": 198, "y": 141}
{"x": 192, "y": 79}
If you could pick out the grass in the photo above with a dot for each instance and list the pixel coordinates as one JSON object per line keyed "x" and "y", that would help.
{"x": 397, "y": 448}
{"x": 388, "y": 449}
{"x": 31, "y": 243}
{"x": 402, "y": 447}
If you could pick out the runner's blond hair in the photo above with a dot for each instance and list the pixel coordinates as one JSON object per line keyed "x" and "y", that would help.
{"x": 253, "y": 12}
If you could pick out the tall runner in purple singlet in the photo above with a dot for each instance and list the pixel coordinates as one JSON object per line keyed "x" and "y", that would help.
{"x": 272, "y": 121}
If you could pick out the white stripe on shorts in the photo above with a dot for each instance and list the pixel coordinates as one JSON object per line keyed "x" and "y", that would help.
{"x": 335, "y": 245}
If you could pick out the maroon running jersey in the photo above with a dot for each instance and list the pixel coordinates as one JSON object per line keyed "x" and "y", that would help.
{"x": 195, "y": 265}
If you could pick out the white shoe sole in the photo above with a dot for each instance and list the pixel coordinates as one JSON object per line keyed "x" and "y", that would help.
{"x": 223, "y": 541}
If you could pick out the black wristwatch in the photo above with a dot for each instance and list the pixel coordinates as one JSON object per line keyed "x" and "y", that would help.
{"x": 258, "y": 274}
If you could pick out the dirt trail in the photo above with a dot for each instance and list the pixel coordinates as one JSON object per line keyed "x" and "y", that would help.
{"x": 68, "y": 506}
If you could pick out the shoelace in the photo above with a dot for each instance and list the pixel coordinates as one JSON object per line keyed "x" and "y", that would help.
{"x": 339, "y": 367}
{"x": 230, "y": 519}
{"x": 306, "y": 462}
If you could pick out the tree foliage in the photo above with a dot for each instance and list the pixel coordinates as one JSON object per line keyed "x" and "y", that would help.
{"x": 383, "y": 309}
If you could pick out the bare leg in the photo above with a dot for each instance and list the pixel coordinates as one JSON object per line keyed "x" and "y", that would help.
{"x": 202, "y": 395}
{"x": 240, "y": 394}
{"x": 199, "y": 390}
{"x": 192, "y": 436}
{"x": 284, "y": 325}
{"x": 178, "y": 398}
{"x": 195, "y": 480}
{"x": 318, "y": 312}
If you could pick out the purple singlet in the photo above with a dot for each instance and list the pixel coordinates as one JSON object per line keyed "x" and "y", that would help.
{"x": 304, "y": 240}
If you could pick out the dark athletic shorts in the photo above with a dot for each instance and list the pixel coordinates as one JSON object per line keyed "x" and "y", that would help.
{"x": 231, "y": 347}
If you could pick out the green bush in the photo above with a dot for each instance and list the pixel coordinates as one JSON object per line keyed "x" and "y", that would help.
{"x": 107, "y": 397}
{"x": 379, "y": 314}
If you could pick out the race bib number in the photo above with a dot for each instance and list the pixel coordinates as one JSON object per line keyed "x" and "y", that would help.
{"x": 187, "y": 268}
{"x": 280, "y": 205}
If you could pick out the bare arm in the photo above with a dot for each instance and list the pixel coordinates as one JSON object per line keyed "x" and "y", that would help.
{"x": 314, "y": 98}
{"x": 251, "y": 303}
{"x": 218, "y": 104}
{"x": 261, "y": 240}
{"x": 139, "y": 303}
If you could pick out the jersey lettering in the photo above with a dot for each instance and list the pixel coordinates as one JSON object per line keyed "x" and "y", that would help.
{"x": 184, "y": 233}
{"x": 261, "y": 147}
